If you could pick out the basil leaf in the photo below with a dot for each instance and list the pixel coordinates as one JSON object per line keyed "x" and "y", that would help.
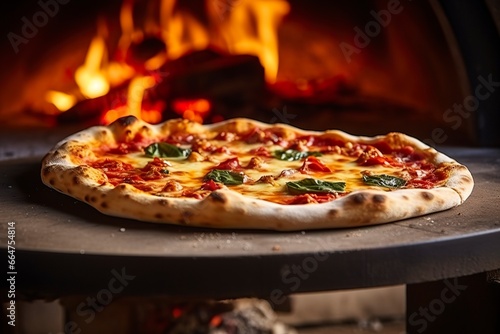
{"x": 166, "y": 150}
{"x": 384, "y": 180}
{"x": 293, "y": 155}
{"x": 226, "y": 177}
{"x": 314, "y": 186}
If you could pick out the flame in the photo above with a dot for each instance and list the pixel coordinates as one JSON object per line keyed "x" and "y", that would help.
{"x": 251, "y": 27}
{"x": 237, "y": 26}
{"x": 133, "y": 107}
{"x": 181, "y": 31}
{"x": 89, "y": 77}
{"x": 62, "y": 101}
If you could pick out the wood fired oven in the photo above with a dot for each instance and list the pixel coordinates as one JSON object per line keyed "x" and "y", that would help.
{"x": 427, "y": 68}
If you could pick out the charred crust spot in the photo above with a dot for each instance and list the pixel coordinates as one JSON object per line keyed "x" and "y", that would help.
{"x": 163, "y": 202}
{"x": 218, "y": 197}
{"x": 379, "y": 199}
{"x": 427, "y": 196}
{"x": 126, "y": 121}
{"x": 93, "y": 199}
{"x": 122, "y": 187}
{"x": 46, "y": 171}
{"x": 104, "y": 132}
{"x": 52, "y": 181}
{"x": 158, "y": 216}
{"x": 69, "y": 191}
{"x": 466, "y": 179}
{"x": 104, "y": 205}
{"x": 86, "y": 198}
{"x": 127, "y": 196}
{"x": 358, "y": 198}
{"x": 406, "y": 198}
{"x": 186, "y": 217}
{"x": 75, "y": 180}
{"x": 333, "y": 212}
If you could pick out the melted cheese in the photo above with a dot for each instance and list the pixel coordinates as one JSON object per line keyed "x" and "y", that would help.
{"x": 190, "y": 175}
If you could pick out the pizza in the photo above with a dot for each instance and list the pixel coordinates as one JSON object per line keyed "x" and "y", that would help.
{"x": 244, "y": 174}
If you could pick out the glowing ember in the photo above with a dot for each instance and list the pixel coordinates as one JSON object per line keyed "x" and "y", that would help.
{"x": 194, "y": 110}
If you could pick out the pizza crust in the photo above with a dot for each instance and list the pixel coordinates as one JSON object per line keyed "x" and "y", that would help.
{"x": 62, "y": 169}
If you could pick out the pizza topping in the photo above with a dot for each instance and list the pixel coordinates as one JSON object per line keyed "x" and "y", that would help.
{"x": 384, "y": 180}
{"x": 286, "y": 173}
{"x": 171, "y": 186}
{"x": 314, "y": 186}
{"x": 254, "y": 163}
{"x": 166, "y": 150}
{"x": 230, "y": 160}
{"x": 111, "y": 166}
{"x": 211, "y": 185}
{"x": 155, "y": 169}
{"x": 226, "y": 177}
{"x": 230, "y": 164}
{"x": 293, "y": 155}
{"x": 196, "y": 157}
{"x": 313, "y": 164}
{"x": 226, "y": 136}
{"x": 261, "y": 151}
{"x": 266, "y": 136}
{"x": 371, "y": 156}
{"x": 267, "y": 179}
{"x": 312, "y": 198}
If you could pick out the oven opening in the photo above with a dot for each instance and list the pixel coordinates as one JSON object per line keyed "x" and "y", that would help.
{"x": 424, "y": 68}
{"x": 367, "y": 69}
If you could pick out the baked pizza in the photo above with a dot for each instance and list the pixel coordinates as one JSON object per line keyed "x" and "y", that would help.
{"x": 244, "y": 174}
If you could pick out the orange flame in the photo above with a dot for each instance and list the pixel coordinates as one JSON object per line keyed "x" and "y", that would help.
{"x": 238, "y": 26}
{"x": 251, "y": 27}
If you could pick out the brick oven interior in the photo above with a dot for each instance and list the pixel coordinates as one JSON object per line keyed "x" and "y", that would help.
{"x": 366, "y": 68}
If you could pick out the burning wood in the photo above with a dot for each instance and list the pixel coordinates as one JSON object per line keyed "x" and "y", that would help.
{"x": 222, "y": 317}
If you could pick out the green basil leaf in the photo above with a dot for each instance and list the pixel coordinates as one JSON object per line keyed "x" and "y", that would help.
{"x": 384, "y": 180}
{"x": 314, "y": 186}
{"x": 226, "y": 177}
{"x": 293, "y": 155}
{"x": 166, "y": 150}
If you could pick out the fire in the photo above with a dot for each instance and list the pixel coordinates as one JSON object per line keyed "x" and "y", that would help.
{"x": 251, "y": 27}
{"x": 89, "y": 77}
{"x": 194, "y": 110}
{"x": 62, "y": 101}
{"x": 236, "y": 26}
